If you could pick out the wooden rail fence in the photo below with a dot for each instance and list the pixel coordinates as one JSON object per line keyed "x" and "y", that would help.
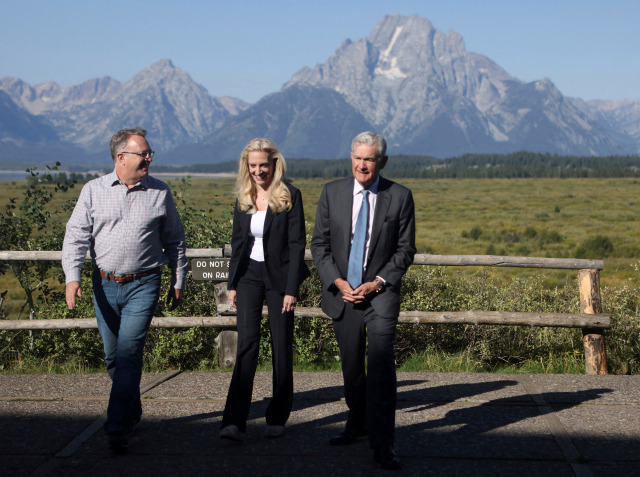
{"x": 591, "y": 319}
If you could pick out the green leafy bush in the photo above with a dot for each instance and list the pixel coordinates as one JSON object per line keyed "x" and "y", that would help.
{"x": 425, "y": 288}
{"x": 599, "y": 246}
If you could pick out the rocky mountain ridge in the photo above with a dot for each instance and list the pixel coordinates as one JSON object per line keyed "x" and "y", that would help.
{"x": 417, "y": 85}
{"x": 414, "y": 82}
{"x": 161, "y": 98}
{"x": 428, "y": 95}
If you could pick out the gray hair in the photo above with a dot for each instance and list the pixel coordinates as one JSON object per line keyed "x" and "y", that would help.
{"x": 371, "y": 139}
{"x": 119, "y": 139}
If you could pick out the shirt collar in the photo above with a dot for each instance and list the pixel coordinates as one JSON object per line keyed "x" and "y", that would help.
{"x": 373, "y": 188}
{"x": 113, "y": 180}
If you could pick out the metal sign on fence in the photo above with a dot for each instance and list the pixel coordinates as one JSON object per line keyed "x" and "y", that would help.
{"x": 210, "y": 269}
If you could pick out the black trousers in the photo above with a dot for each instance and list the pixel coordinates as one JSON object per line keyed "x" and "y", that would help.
{"x": 252, "y": 290}
{"x": 370, "y": 395}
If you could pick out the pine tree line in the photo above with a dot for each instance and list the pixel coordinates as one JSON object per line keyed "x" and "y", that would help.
{"x": 477, "y": 166}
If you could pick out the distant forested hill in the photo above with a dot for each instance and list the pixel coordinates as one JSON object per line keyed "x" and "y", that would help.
{"x": 515, "y": 165}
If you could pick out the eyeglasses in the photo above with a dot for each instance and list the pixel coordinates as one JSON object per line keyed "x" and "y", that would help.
{"x": 143, "y": 154}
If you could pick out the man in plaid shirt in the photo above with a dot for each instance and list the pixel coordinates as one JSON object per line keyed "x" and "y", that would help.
{"x": 129, "y": 223}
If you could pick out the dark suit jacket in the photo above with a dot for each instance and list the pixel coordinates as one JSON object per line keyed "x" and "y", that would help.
{"x": 284, "y": 243}
{"x": 391, "y": 249}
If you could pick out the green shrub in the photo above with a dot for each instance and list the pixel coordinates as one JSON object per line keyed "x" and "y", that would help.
{"x": 424, "y": 288}
{"x": 530, "y": 232}
{"x": 623, "y": 339}
{"x": 551, "y": 236}
{"x": 598, "y": 247}
{"x": 181, "y": 348}
{"x": 433, "y": 289}
{"x": 475, "y": 232}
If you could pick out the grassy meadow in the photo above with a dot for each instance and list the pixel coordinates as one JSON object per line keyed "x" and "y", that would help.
{"x": 524, "y": 217}
{"x": 527, "y": 217}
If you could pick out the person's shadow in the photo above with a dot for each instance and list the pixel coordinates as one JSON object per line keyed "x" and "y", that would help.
{"x": 467, "y": 420}
{"x": 481, "y": 427}
{"x": 511, "y": 427}
{"x": 432, "y": 397}
{"x": 467, "y": 416}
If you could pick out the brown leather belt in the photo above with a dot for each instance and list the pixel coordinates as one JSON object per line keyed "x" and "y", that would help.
{"x": 128, "y": 278}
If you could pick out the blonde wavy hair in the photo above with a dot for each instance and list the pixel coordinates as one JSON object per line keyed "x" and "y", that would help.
{"x": 246, "y": 192}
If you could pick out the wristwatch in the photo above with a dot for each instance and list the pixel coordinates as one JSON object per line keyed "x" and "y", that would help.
{"x": 380, "y": 284}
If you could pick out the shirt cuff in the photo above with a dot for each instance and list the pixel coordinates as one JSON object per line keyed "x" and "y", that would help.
{"x": 73, "y": 276}
{"x": 179, "y": 283}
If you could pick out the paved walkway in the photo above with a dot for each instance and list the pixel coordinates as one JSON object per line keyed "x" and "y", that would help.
{"x": 447, "y": 424}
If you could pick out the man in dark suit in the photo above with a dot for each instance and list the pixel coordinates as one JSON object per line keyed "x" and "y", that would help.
{"x": 363, "y": 243}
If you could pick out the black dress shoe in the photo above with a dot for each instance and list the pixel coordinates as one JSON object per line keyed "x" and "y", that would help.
{"x": 348, "y": 436}
{"x": 387, "y": 458}
{"x": 118, "y": 442}
{"x": 134, "y": 424}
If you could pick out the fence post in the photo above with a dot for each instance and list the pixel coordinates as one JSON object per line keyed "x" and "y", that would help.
{"x": 227, "y": 340}
{"x": 595, "y": 355}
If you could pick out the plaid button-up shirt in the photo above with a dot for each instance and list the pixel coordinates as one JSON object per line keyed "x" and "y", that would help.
{"x": 127, "y": 230}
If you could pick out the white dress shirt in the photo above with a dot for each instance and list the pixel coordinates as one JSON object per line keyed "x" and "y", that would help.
{"x": 357, "y": 203}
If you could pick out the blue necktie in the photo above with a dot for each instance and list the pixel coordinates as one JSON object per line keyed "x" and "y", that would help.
{"x": 356, "y": 257}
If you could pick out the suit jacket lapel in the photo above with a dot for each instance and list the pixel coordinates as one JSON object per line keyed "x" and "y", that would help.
{"x": 382, "y": 206}
{"x": 267, "y": 220}
{"x": 345, "y": 202}
{"x": 245, "y": 224}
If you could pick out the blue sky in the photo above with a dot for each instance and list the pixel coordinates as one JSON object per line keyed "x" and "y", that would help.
{"x": 246, "y": 49}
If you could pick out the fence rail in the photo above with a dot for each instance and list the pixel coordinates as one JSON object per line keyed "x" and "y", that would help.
{"x": 419, "y": 259}
{"x": 506, "y": 318}
{"x": 591, "y": 319}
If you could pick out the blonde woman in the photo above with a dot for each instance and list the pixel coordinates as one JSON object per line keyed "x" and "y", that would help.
{"x": 267, "y": 264}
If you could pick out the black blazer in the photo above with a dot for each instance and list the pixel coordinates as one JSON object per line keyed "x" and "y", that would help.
{"x": 284, "y": 243}
{"x": 391, "y": 248}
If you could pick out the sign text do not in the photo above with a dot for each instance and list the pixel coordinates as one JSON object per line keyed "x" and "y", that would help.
{"x": 208, "y": 269}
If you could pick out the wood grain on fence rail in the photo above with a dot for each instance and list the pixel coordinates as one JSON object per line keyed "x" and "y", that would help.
{"x": 506, "y": 318}
{"x": 504, "y": 261}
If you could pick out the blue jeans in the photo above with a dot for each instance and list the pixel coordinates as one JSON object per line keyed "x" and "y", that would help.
{"x": 124, "y": 313}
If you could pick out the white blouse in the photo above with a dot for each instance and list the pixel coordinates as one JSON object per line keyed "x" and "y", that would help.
{"x": 257, "y": 232}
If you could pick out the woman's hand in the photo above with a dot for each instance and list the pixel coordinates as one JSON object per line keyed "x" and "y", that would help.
{"x": 232, "y": 298}
{"x": 289, "y": 303}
